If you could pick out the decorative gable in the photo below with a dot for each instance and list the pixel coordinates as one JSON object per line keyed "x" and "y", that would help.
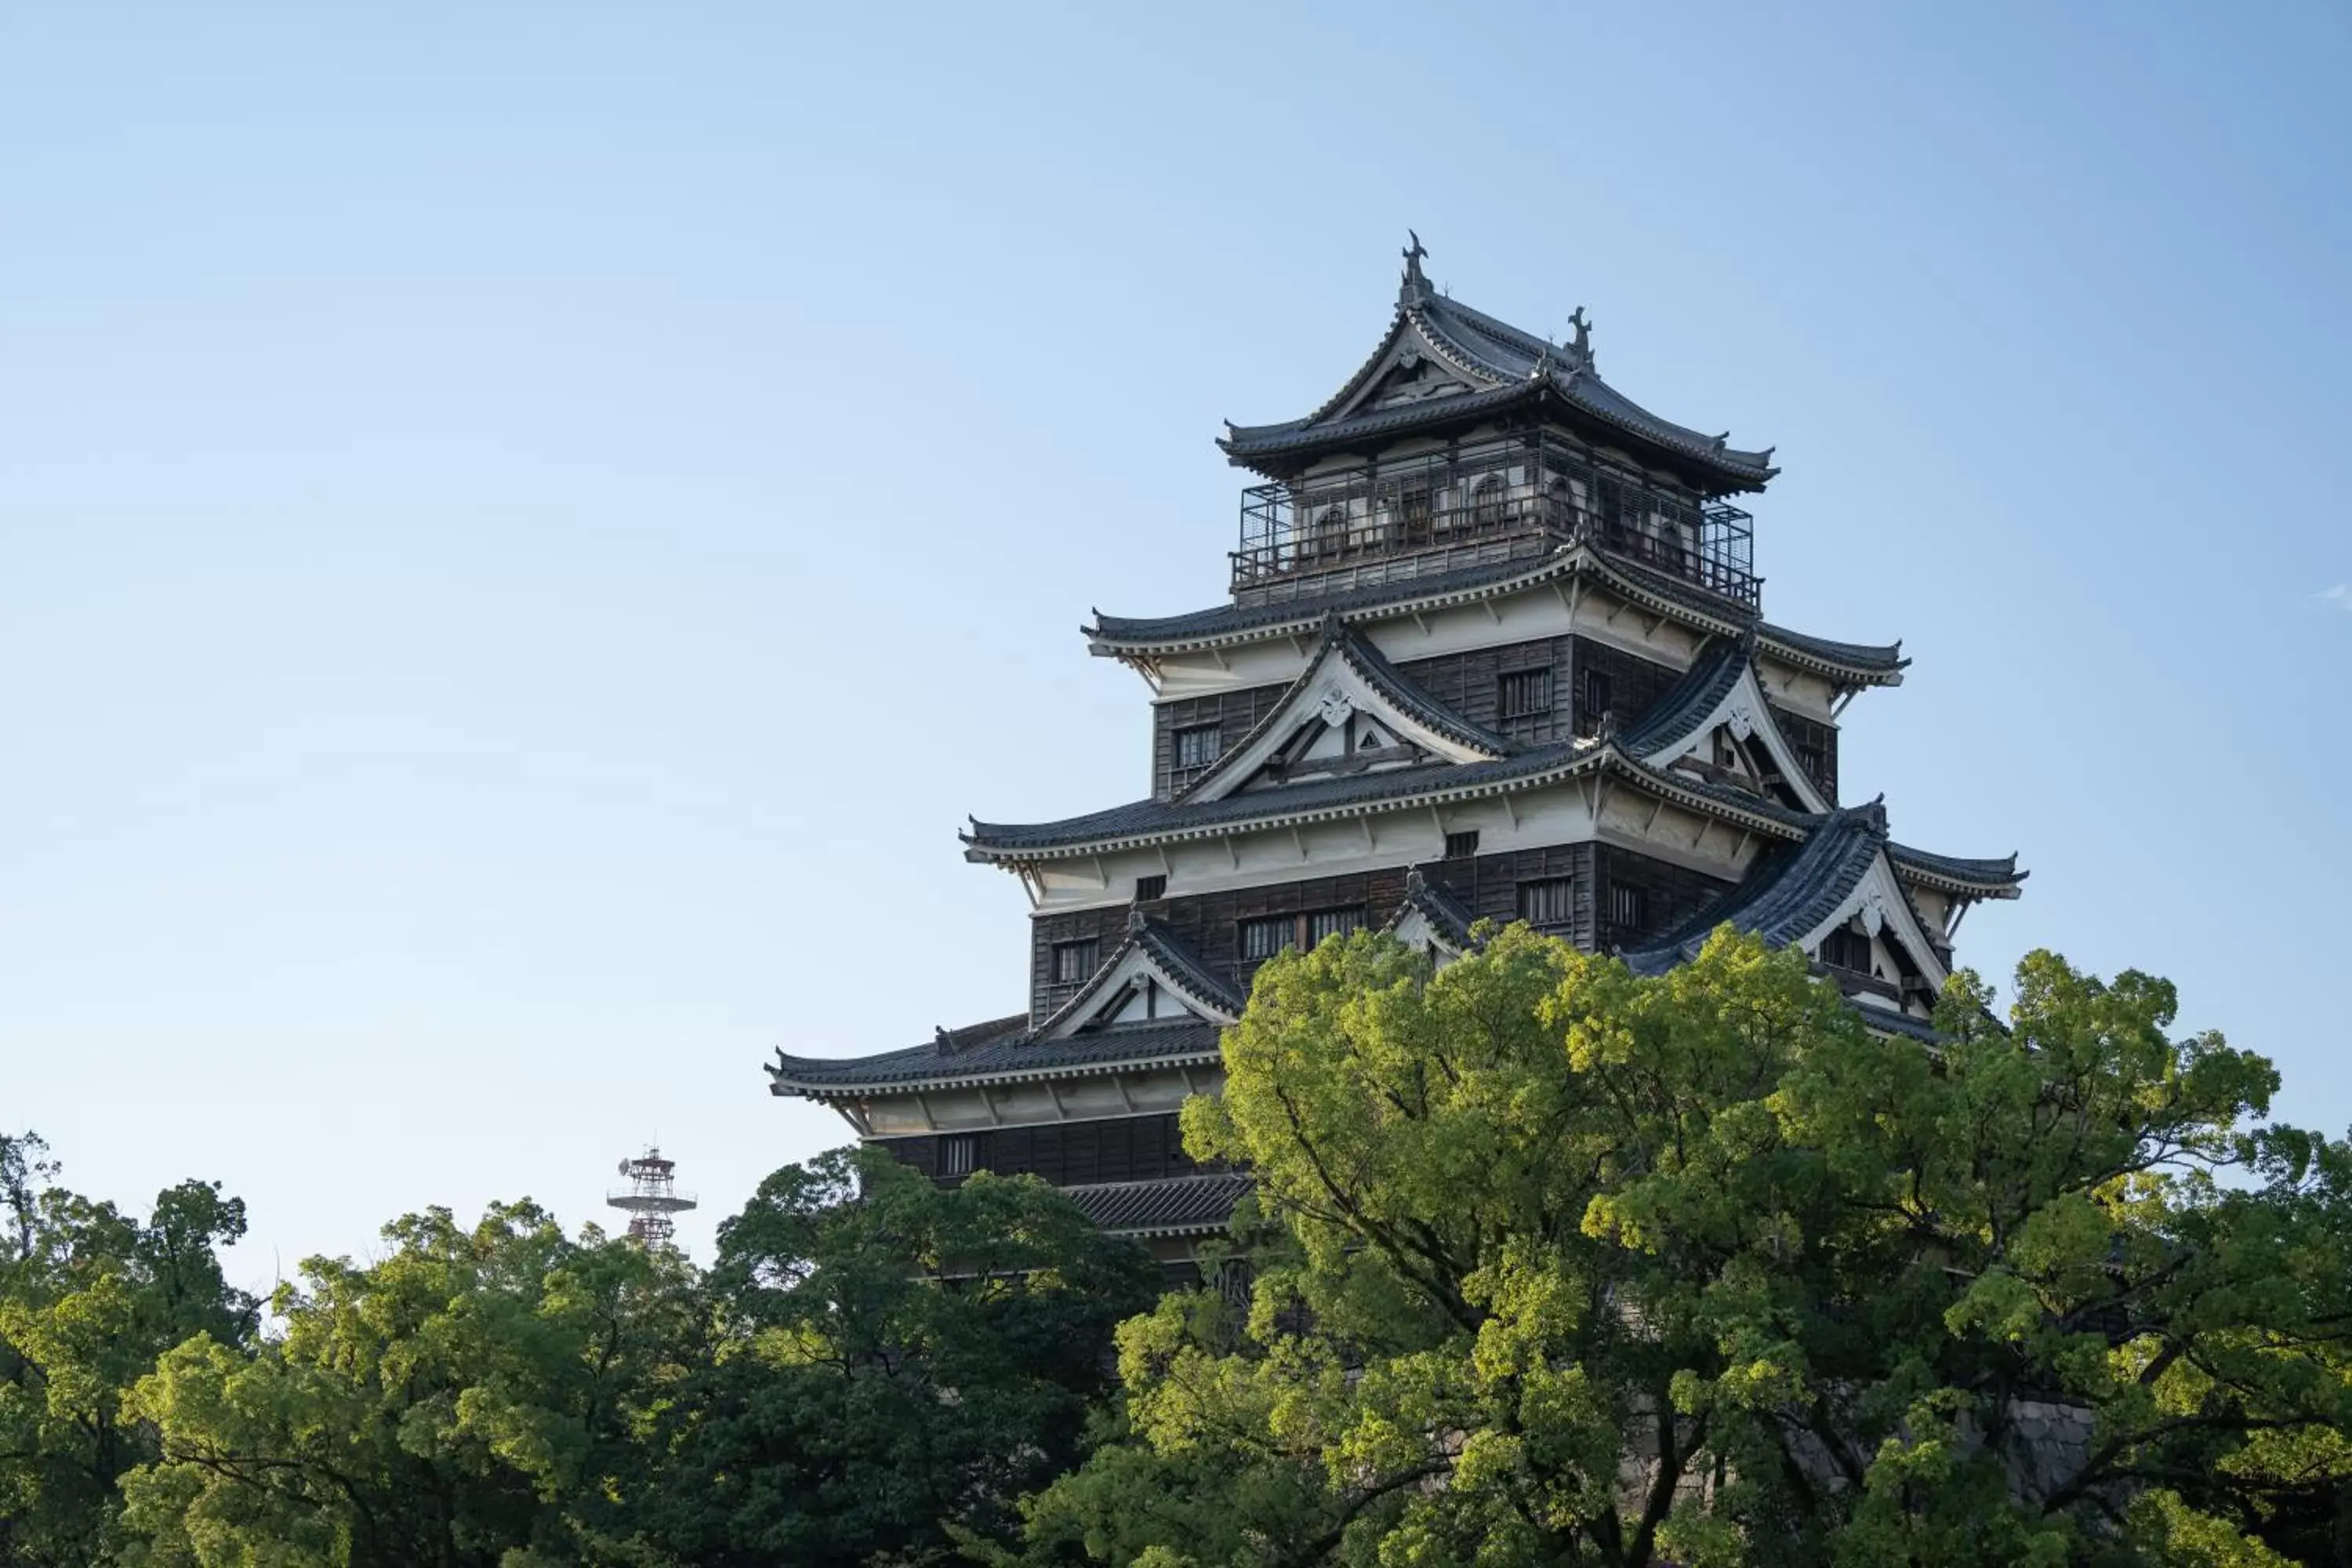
{"x": 1348, "y": 713}
{"x": 1150, "y": 979}
{"x": 1879, "y": 913}
{"x": 1715, "y": 723}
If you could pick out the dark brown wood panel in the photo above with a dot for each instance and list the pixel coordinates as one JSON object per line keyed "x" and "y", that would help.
{"x": 1470, "y": 684}
{"x": 1235, "y": 713}
{"x": 1065, "y": 1154}
{"x": 1817, "y": 747}
{"x": 1634, "y": 683}
{"x": 1668, "y": 895}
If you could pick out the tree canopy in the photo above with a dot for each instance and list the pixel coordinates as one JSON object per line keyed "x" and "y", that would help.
{"x": 1562, "y": 1265}
{"x": 1547, "y": 1264}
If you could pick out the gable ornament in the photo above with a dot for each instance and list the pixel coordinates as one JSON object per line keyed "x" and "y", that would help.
{"x": 1334, "y": 706}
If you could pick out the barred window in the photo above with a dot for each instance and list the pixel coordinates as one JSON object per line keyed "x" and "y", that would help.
{"x": 1150, "y": 888}
{"x": 1593, "y": 700}
{"x": 1545, "y": 903}
{"x": 1196, "y": 746}
{"x": 959, "y": 1154}
{"x": 1266, "y": 936}
{"x": 1331, "y": 922}
{"x": 1846, "y": 948}
{"x": 1461, "y": 846}
{"x": 1523, "y": 693}
{"x": 1074, "y": 961}
{"x": 1629, "y": 906}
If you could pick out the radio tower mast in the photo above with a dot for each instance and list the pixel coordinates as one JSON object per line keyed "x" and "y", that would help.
{"x": 651, "y": 1198}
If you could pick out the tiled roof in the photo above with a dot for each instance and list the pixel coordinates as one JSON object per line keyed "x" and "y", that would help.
{"x": 1683, "y": 706}
{"x": 1788, "y": 892}
{"x": 1169, "y": 1205}
{"x": 1987, "y": 878}
{"x": 1337, "y": 638}
{"x": 1864, "y": 663}
{"x": 1006, "y": 1048}
{"x": 1154, "y": 821}
{"x": 1507, "y": 367}
{"x": 1184, "y": 971}
{"x": 1447, "y": 915}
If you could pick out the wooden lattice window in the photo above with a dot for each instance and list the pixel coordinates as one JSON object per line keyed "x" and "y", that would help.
{"x": 1461, "y": 846}
{"x": 1545, "y": 904}
{"x": 1629, "y": 906}
{"x": 1266, "y": 936}
{"x": 1592, "y": 702}
{"x": 1331, "y": 922}
{"x": 1846, "y": 948}
{"x": 1075, "y": 961}
{"x": 1196, "y": 746}
{"x": 1523, "y": 693}
{"x": 1150, "y": 888}
{"x": 959, "y": 1154}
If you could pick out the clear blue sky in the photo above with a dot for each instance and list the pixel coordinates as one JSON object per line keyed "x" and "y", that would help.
{"x": 522, "y": 536}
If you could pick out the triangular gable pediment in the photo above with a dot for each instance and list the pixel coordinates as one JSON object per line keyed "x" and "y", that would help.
{"x": 1739, "y": 713}
{"x": 1885, "y": 915}
{"x": 1144, "y": 981}
{"x": 1348, "y": 712}
{"x": 1407, "y": 368}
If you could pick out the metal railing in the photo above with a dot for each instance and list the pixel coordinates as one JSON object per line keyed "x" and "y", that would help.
{"x": 1490, "y": 503}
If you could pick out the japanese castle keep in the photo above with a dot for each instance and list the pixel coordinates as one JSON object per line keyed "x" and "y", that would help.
{"x": 1495, "y": 650}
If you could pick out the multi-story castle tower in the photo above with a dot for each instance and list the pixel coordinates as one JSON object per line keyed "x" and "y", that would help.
{"x": 1495, "y": 650}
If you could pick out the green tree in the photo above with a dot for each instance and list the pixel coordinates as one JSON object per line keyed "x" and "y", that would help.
{"x": 89, "y": 1296}
{"x": 476, "y": 1397}
{"x": 897, "y": 1363}
{"x": 1569, "y": 1266}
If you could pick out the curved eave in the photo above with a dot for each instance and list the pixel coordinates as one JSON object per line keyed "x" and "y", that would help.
{"x": 1952, "y": 875}
{"x": 783, "y": 1084}
{"x": 1607, "y": 758}
{"x": 1280, "y": 451}
{"x": 1849, "y": 664}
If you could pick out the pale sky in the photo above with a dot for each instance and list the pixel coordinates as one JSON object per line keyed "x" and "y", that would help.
{"x": 523, "y": 536}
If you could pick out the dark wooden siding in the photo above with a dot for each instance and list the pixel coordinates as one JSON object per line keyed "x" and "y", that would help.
{"x": 1067, "y": 1153}
{"x": 1468, "y": 684}
{"x": 1820, "y": 740}
{"x": 1634, "y": 682}
{"x": 1235, "y": 713}
{"x": 1108, "y": 927}
{"x": 1670, "y": 895}
{"x": 1488, "y": 884}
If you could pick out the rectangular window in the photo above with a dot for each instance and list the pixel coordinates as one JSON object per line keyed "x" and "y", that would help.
{"x": 1816, "y": 766}
{"x": 1592, "y": 702}
{"x": 1629, "y": 906}
{"x": 1074, "y": 961}
{"x": 1196, "y": 746}
{"x": 1846, "y": 948}
{"x": 1523, "y": 693}
{"x": 1266, "y": 936}
{"x": 1461, "y": 846}
{"x": 1331, "y": 922}
{"x": 1150, "y": 888}
{"x": 1544, "y": 904}
{"x": 959, "y": 1154}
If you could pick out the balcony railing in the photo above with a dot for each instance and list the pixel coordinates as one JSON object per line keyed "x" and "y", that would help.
{"x": 1386, "y": 521}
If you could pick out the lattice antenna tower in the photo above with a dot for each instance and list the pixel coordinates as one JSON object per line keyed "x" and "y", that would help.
{"x": 651, "y": 1199}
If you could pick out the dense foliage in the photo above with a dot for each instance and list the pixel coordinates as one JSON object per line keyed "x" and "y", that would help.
{"x": 1574, "y": 1267}
{"x": 1548, "y": 1263}
{"x": 855, "y": 1381}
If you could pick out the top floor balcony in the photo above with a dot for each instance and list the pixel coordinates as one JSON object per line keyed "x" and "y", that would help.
{"x": 1387, "y": 521}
